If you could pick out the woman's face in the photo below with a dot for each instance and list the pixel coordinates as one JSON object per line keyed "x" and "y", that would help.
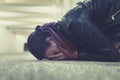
{"x": 53, "y": 52}
{"x": 52, "y": 48}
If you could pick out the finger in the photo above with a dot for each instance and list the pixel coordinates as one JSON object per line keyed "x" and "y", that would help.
{"x": 55, "y": 55}
{"x": 60, "y": 58}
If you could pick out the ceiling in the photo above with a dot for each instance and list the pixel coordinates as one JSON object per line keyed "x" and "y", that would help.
{"x": 21, "y": 16}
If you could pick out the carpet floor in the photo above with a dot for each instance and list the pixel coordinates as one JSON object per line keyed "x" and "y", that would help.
{"x": 26, "y": 67}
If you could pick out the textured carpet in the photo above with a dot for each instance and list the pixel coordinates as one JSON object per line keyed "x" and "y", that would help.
{"x": 26, "y": 67}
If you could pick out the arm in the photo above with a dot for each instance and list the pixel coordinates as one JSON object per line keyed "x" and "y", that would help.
{"x": 83, "y": 27}
{"x": 92, "y": 43}
{"x": 85, "y": 32}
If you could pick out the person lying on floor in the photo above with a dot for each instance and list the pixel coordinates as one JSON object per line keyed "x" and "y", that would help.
{"x": 87, "y": 32}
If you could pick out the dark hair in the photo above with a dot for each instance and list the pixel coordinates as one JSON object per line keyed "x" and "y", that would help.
{"x": 37, "y": 44}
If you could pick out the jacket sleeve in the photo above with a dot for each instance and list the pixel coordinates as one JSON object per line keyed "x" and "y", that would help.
{"x": 92, "y": 44}
{"x": 84, "y": 30}
{"x": 71, "y": 16}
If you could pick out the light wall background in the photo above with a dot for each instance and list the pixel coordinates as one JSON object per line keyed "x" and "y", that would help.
{"x": 18, "y": 20}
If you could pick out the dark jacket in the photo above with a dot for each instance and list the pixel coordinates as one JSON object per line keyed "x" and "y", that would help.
{"x": 91, "y": 28}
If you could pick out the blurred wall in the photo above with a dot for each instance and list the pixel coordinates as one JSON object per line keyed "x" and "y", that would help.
{"x": 7, "y": 40}
{"x": 19, "y": 43}
{"x": 14, "y": 43}
{"x": 11, "y": 43}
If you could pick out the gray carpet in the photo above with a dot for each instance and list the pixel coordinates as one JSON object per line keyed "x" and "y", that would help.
{"x": 26, "y": 67}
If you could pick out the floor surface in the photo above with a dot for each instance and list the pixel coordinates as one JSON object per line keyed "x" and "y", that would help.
{"x": 26, "y": 67}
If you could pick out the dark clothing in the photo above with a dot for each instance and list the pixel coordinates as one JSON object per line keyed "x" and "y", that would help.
{"x": 92, "y": 27}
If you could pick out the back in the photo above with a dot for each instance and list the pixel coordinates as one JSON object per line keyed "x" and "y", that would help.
{"x": 107, "y": 18}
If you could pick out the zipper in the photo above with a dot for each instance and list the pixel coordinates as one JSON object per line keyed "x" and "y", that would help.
{"x": 113, "y": 16}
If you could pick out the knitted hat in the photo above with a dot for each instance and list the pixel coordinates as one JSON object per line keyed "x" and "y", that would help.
{"x": 37, "y": 44}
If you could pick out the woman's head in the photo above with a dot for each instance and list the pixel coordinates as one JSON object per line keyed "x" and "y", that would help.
{"x": 41, "y": 44}
{"x": 47, "y": 40}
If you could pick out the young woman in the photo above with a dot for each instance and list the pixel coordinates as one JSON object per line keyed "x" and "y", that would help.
{"x": 87, "y": 32}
